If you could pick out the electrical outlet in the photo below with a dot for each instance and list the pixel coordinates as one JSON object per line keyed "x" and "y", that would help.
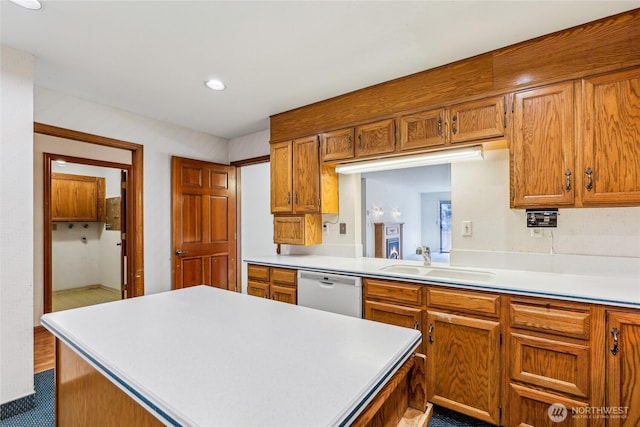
{"x": 536, "y": 232}
{"x": 466, "y": 229}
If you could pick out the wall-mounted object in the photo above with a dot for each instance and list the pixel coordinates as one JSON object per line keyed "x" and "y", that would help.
{"x": 537, "y": 218}
{"x": 77, "y": 198}
{"x": 112, "y": 216}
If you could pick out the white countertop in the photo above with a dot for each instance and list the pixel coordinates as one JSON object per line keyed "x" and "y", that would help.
{"x": 203, "y": 357}
{"x": 618, "y": 291}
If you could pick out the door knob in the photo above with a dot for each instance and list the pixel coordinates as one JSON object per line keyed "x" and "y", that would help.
{"x": 181, "y": 252}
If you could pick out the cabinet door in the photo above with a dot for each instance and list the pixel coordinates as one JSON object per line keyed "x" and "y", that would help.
{"x": 283, "y": 294}
{"x": 623, "y": 367}
{"x": 297, "y": 229}
{"x": 258, "y": 289}
{"x": 281, "y": 177}
{"x": 422, "y": 130}
{"x": 77, "y": 197}
{"x": 306, "y": 175}
{"x": 463, "y": 364}
{"x": 531, "y": 407}
{"x": 337, "y": 145}
{"x": 375, "y": 138}
{"x": 478, "y": 120}
{"x": 543, "y": 169}
{"x": 611, "y": 153}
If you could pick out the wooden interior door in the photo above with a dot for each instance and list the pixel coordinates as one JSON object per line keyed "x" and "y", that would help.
{"x": 203, "y": 224}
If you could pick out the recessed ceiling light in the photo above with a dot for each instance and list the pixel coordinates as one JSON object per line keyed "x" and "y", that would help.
{"x": 61, "y": 162}
{"x": 215, "y": 84}
{"x": 28, "y": 4}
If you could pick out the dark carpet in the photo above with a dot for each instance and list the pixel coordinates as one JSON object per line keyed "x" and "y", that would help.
{"x": 42, "y": 414}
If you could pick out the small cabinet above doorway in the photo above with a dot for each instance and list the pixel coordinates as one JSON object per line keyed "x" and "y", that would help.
{"x": 77, "y": 198}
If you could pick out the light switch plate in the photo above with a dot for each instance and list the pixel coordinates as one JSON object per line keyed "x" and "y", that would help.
{"x": 466, "y": 229}
{"x": 343, "y": 228}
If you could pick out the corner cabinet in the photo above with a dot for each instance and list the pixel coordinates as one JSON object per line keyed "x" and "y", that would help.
{"x": 611, "y": 153}
{"x": 301, "y": 190}
{"x": 77, "y": 198}
{"x": 542, "y": 150}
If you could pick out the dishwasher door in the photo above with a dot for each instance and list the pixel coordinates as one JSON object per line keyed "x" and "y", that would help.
{"x": 330, "y": 292}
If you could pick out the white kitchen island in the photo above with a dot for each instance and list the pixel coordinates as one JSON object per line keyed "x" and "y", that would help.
{"x": 204, "y": 357}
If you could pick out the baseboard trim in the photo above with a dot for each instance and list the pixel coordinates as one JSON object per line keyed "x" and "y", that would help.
{"x": 17, "y": 406}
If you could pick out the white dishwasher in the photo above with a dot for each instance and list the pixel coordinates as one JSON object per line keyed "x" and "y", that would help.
{"x": 330, "y": 292}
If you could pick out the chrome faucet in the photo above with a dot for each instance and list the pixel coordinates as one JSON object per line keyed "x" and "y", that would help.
{"x": 425, "y": 251}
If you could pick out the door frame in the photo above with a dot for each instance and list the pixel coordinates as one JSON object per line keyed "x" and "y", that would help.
{"x": 135, "y": 220}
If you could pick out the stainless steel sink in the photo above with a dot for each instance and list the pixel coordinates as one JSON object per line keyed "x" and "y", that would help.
{"x": 439, "y": 272}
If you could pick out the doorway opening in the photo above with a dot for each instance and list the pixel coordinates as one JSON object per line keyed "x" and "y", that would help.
{"x": 89, "y": 246}
{"x": 132, "y": 267}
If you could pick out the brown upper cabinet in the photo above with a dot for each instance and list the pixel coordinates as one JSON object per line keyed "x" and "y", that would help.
{"x": 375, "y": 138}
{"x": 552, "y": 167}
{"x": 478, "y": 120}
{"x": 611, "y": 151}
{"x": 542, "y": 147}
{"x": 337, "y": 145}
{"x": 298, "y": 183}
{"x": 77, "y": 198}
{"x": 466, "y": 123}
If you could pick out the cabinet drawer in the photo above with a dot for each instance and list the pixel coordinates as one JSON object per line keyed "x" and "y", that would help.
{"x": 258, "y": 272}
{"x": 552, "y": 364}
{"x": 283, "y": 276}
{"x": 393, "y": 291}
{"x": 472, "y": 302}
{"x": 393, "y": 314}
{"x": 529, "y": 407}
{"x": 550, "y": 320}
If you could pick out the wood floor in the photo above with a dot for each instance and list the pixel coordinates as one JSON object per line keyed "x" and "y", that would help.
{"x": 43, "y": 352}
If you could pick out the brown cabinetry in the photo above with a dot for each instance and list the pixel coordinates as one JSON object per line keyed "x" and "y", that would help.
{"x": 337, "y": 145}
{"x": 374, "y": 139}
{"x": 623, "y": 367}
{"x": 77, "y": 198}
{"x": 551, "y": 360}
{"x": 542, "y": 148}
{"x": 477, "y": 120}
{"x": 301, "y": 190}
{"x": 279, "y": 284}
{"x": 611, "y": 153}
{"x": 423, "y": 130}
{"x": 394, "y": 303}
{"x": 463, "y": 352}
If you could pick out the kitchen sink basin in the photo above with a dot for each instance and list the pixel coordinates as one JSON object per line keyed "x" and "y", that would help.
{"x": 439, "y": 272}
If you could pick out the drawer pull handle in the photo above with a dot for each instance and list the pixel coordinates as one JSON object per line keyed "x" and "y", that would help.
{"x": 439, "y": 126}
{"x": 615, "y": 331}
{"x": 288, "y": 198}
{"x": 567, "y": 185}
{"x": 454, "y": 125}
{"x": 431, "y": 333}
{"x": 350, "y": 141}
{"x": 416, "y": 325}
{"x": 589, "y": 185}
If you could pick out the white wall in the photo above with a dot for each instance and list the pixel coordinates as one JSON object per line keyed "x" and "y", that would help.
{"x": 587, "y": 240}
{"x": 249, "y": 146}
{"x": 256, "y": 235}
{"x": 16, "y": 225}
{"x": 161, "y": 140}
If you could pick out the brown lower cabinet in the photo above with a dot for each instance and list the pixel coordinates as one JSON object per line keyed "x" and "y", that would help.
{"x": 518, "y": 361}
{"x": 279, "y": 284}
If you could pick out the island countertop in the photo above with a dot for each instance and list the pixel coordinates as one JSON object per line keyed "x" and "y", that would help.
{"x": 615, "y": 291}
{"x": 202, "y": 356}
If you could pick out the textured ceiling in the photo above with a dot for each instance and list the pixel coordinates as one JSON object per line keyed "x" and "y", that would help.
{"x": 152, "y": 57}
